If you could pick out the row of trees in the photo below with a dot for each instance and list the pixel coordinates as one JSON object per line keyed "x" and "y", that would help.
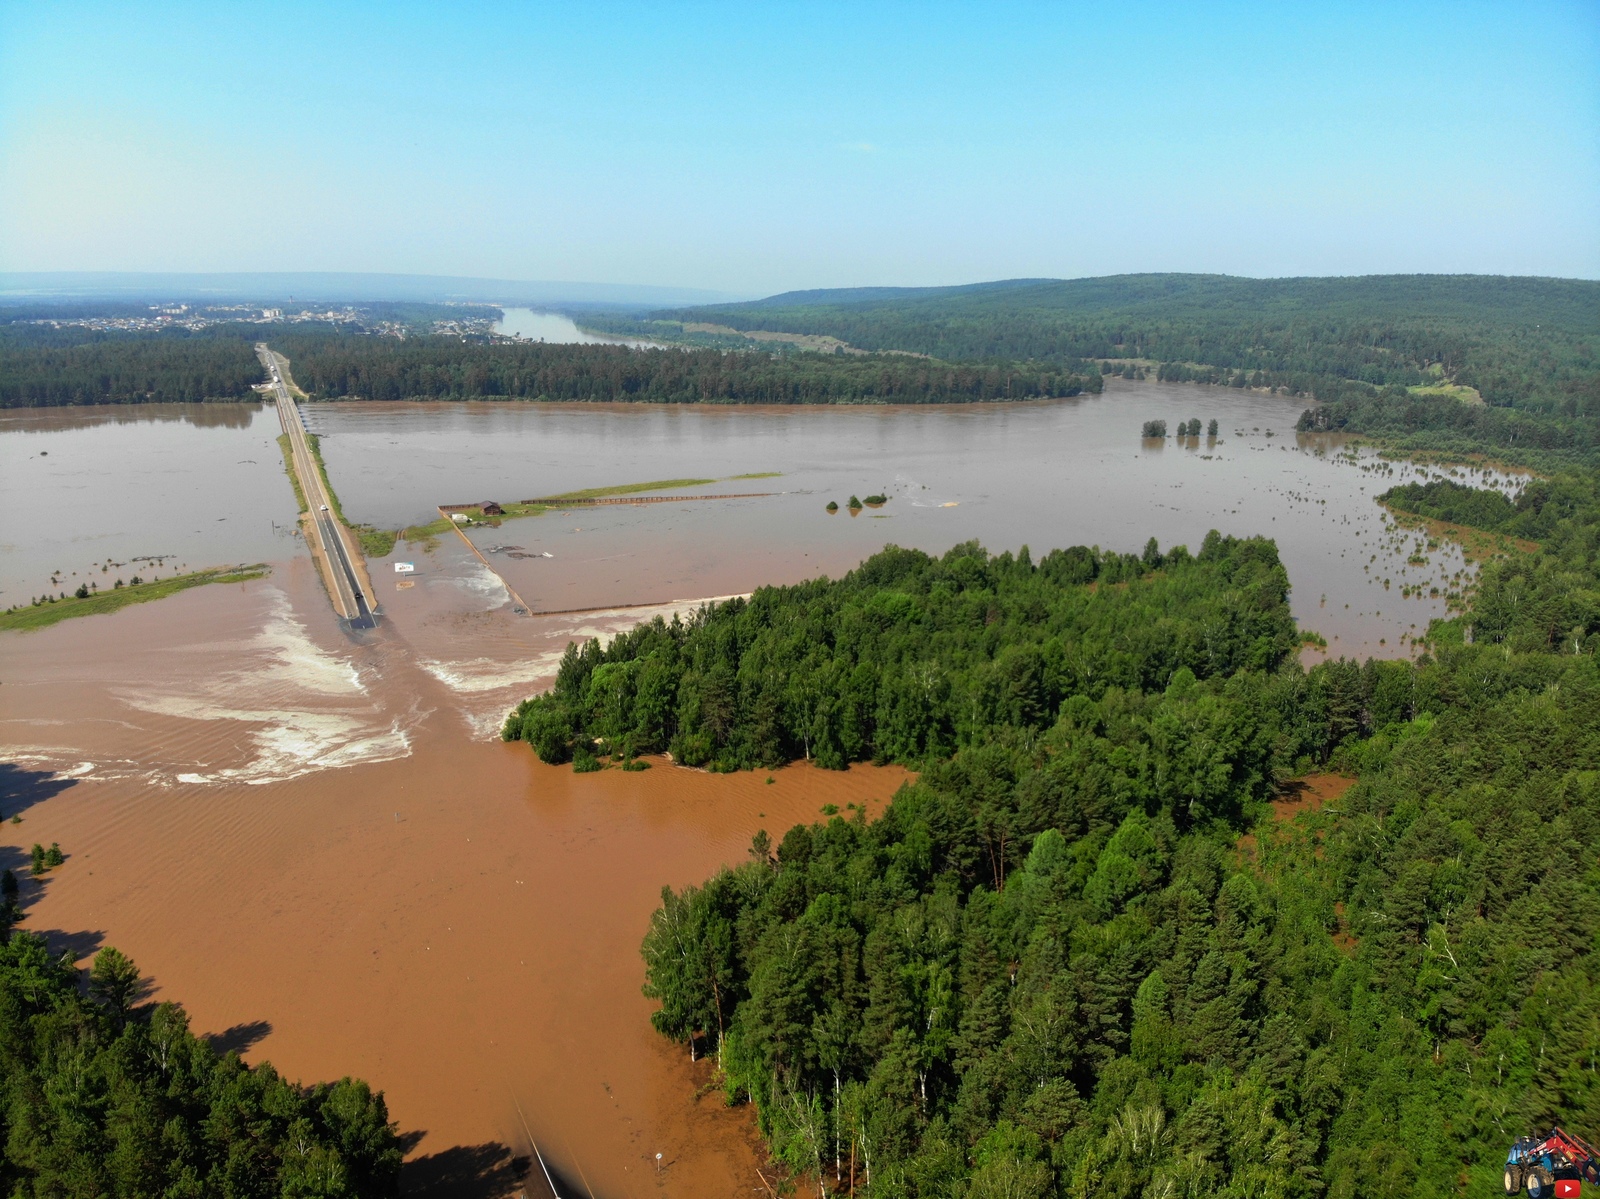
{"x": 40, "y": 365}
{"x": 452, "y": 368}
{"x": 1056, "y": 966}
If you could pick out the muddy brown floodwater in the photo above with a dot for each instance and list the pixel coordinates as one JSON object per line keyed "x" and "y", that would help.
{"x": 459, "y": 923}
{"x": 315, "y": 841}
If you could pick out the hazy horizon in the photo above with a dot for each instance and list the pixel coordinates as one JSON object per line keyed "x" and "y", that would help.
{"x": 367, "y": 287}
{"x": 750, "y": 152}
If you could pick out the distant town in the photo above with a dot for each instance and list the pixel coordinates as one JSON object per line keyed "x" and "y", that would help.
{"x": 357, "y": 319}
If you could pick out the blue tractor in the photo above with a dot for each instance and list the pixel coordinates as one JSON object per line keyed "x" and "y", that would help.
{"x": 1553, "y": 1165}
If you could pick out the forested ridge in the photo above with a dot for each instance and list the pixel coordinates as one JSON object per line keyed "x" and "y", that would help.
{"x": 1056, "y": 966}
{"x": 1519, "y": 341}
{"x": 102, "y": 1097}
{"x": 450, "y": 368}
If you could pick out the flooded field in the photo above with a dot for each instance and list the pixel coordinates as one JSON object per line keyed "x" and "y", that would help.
{"x": 315, "y": 841}
{"x": 1044, "y": 475}
{"x": 137, "y": 489}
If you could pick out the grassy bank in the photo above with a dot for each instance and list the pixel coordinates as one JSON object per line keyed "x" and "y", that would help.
{"x": 37, "y": 616}
{"x": 375, "y": 542}
{"x": 288, "y": 469}
{"x": 535, "y": 507}
{"x": 601, "y": 493}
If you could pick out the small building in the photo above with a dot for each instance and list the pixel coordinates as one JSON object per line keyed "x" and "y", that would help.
{"x": 493, "y": 509}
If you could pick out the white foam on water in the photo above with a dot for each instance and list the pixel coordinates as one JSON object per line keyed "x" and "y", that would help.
{"x": 478, "y": 675}
{"x": 485, "y": 725}
{"x": 38, "y": 755}
{"x": 485, "y": 584}
{"x": 608, "y": 622}
{"x": 67, "y": 762}
{"x": 488, "y": 676}
{"x": 307, "y": 742}
{"x": 527, "y": 675}
{"x": 306, "y": 702}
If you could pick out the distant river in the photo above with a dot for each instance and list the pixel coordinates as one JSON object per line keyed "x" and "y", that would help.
{"x": 552, "y": 327}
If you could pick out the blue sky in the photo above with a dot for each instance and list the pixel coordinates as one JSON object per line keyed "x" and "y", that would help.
{"x": 755, "y": 148}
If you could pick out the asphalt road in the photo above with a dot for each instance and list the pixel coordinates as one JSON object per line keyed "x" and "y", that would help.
{"x": 330, "y": 535}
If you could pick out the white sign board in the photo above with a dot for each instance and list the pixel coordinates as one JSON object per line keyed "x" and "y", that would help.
{"x": 404, "y": 568}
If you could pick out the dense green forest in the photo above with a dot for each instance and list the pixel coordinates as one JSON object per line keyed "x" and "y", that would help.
{"x": 909, "y": 657}
{"x": 102, "y": 1097}
{"x": 1562, "y": 433}
{"x": 42, "y": 366}
{"x": 1079, "y": 956}
{"x": 450, "y": 368}
{"x": 1517, "y": 340}
{"x": 1527, "y": 345}
{"x": 1549, "y": 602}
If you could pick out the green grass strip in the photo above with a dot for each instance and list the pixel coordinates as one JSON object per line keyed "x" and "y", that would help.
{"x": 519, "y": 508}
{"x": 38, "y": 616}
{"x": 375, "y": 542}
{"x": 598, "y": 493}
{"x": 288, "y": 466}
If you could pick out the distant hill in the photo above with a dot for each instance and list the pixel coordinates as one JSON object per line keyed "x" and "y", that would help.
{"x": 1573, "y": 303}
{"x": 1517, "y": 340}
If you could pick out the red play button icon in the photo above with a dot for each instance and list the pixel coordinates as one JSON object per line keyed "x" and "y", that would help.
{"x": 1568, "y": 1188}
